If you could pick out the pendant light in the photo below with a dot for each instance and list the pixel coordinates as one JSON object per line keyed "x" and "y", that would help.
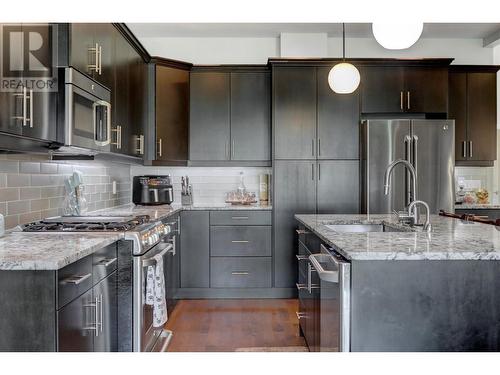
{"x": 344, "y": 78}
{"x": 397, "y": 35}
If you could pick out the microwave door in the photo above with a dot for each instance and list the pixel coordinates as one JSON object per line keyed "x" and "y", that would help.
{"x": 88, "y": 122}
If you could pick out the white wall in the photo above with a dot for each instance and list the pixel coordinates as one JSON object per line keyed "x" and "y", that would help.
{"x": 465, "y": 51}
{"x": 214, "y": 50}
{"x": 303, "y": 44}
{"x": 258, "y": 50}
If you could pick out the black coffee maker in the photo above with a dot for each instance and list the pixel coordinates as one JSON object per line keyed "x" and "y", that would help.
{"x": 152, "y": 190}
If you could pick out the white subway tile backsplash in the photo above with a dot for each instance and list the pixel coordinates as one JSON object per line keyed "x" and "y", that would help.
{"x": 32, "y": 187}
{"x": 210, "y": 184}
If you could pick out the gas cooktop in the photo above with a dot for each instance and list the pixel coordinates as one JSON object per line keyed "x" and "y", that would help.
{"x": 87, "y": 224}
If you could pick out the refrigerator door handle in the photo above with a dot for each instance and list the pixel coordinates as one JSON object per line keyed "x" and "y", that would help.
{"x": 415, "y": 155}
{"x": 407, "y": 173}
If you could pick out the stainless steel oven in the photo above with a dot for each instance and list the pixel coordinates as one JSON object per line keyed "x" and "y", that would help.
{"x": 334, "y": 307}
{"x": 84, "y": 117}
{"x": 147, "y": 338}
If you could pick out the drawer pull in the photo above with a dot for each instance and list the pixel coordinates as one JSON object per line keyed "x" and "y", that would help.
{"x": 239, "y": 273}
{"x": 300, "y": 315}
{"x": 76, "y": 280}
{"x": 239, "y": 217}
{"x": 107, "y": 262}
{"x": 301, "y": 286}
{"x": 302, "y": 231}
{"x": 302, "y": 257}
{"x": 240, "y": 241}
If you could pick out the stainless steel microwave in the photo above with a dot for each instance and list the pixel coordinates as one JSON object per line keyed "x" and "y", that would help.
{"x": 84, "y": 116}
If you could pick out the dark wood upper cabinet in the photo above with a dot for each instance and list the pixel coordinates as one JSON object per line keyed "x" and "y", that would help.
{"x": 338, "y": 121}
{"x": 426, "y": 89}
{"x": 382, "y": 89}
{"x": 172, "y": 113}
{"x": 230, "y": 115}
{"x": 294, "y": 106}
{"x": 250, "y": 116}
{"x": 472, "y": 104}
{"x": 92, "y": 50}
{"x": 209, "y": 120}
{"x": 27, "y": 111}
{"x": 458, "y": 111}
{"x": 405, "y": 89}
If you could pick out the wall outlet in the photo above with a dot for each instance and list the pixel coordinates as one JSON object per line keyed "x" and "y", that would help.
{"x": 114, "y": 187}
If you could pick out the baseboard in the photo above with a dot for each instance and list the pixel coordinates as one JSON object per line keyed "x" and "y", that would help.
{"x": 235, "y": 293}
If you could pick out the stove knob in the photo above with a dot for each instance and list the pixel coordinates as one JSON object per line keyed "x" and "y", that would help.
{"x": 151, "y": 240}
{"x": 166, "y": 229}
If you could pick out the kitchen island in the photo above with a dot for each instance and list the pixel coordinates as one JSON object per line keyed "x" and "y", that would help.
{"x": 411, "y": 290}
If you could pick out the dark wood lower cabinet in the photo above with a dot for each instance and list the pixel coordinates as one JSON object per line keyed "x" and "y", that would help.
{"x": 46, "y": 311}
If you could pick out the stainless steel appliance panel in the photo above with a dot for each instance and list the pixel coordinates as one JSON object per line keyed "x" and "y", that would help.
{"x": 334, "y": 274}
{"x": 385, "y": 143}
{"x": 433, "y": 156}
{"x": 144, "y": 334}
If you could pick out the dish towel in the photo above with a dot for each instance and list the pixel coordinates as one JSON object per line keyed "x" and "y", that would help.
{"x": 155, "y": 292}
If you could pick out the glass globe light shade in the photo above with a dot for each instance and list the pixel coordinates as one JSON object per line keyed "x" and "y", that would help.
{"x": 397, "y": 35}
{"x": 344, "y": 78}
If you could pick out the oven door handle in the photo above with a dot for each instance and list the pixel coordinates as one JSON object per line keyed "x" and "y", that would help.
{"x": 151, "y": 260}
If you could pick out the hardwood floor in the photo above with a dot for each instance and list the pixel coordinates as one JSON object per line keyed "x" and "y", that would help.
{"x": 227, "y": 325}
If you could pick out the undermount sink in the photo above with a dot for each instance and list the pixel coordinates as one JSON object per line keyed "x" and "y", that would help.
{"x": 361, "y": 228}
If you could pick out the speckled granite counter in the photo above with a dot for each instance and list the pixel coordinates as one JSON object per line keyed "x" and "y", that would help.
{"x": 52, "y": 251}
{"x": 49, "y": 251}
{"x": 451, "y": 239}
{"x": 160, "y": 212}
{"x": 476, "y": 206}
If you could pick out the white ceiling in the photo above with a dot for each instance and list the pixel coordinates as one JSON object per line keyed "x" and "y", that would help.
{"x": 259, "y": 30}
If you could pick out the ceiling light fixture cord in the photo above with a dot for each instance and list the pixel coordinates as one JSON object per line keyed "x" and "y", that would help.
{"x": 343, "y": 41}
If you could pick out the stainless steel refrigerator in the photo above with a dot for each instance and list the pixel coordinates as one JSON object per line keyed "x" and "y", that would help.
{"x": 428, "y": 144}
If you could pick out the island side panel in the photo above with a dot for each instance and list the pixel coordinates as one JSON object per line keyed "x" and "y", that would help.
{"x": 441, "y": 305}
{"x": 27, "y": 311}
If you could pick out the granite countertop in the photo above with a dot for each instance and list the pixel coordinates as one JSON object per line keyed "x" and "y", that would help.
{"x": 52, "y": 251}
{"x": 163, "y": 211}
{"x": 477, "y": 206}
{"x": 450, "y": 239}
{"x": 49, "y": 251}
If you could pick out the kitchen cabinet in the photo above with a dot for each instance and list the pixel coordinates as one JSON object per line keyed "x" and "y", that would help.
{"x": 106, "y": 294}
{"x": 92, "y": 49}
{"x": 28, "y": 111}
{"x": 195, "y": 243}
{"x": 71, "y": 309}
{"x": 426, "y": 89}
{"x": 128, "y": 98}
{"x": 230, "y": 115}
{"x": 382, "y": 89}
{"x": 338, "y": 121}
{"x": 416, "y": 88}
{"x": 294, "y": 193}
{"x": 75, "y": 332}
{"x": 338, "y": 187}
{"x": 250, "y": 116}
{"x": 172, "y": 112}
{"x": 472, "y": 100}
{"x": 209, "y": 116}
{"x": 294, "y": 111}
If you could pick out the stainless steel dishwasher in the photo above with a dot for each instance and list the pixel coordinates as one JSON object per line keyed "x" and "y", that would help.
{"x": 334, "y": 307}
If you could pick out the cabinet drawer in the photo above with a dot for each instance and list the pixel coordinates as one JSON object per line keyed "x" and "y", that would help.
{"x": 240, "y": 241}
{"x": 242, "y": 272}
{"x": 73, "y": 280}
{"x": 240, "y": 217}
{"x": 104, "y": 262}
